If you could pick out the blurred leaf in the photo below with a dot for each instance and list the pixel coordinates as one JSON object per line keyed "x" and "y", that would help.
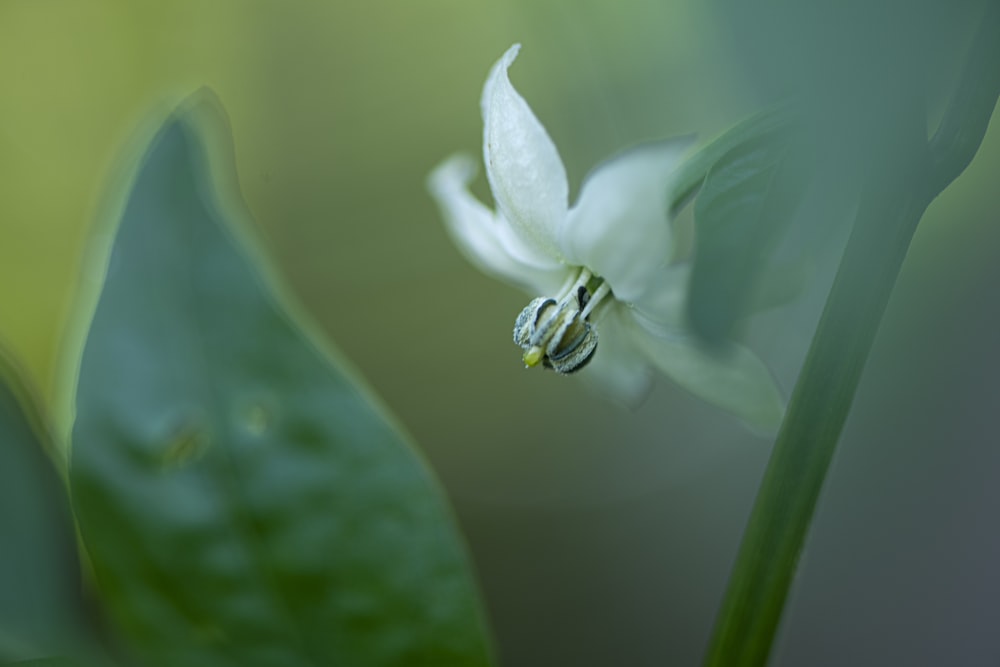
{"x": 691, "y": 174}
{"x": 41, "y": 608}
{"x": 746, "y": 202}
{"x": 243, "y": 499}
{"x": 50, "y": 662}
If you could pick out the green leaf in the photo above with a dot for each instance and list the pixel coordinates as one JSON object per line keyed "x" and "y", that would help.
{"x": 41, "y": 607}
{"x": 744, "y": 205}
{"x": 50, "y": 662}
{"x": 244, "y": 500}
{"x": 691, "y": 174}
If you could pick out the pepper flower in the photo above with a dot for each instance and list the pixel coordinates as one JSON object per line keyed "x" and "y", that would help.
{"x": 609, "y": 302}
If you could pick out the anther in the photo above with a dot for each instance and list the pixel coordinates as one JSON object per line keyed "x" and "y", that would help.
{"x": 558, "y": 335}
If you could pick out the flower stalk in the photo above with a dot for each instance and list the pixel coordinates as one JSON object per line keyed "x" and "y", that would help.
{"x": 887, "y": 217}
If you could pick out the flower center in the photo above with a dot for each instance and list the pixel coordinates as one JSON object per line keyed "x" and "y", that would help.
{"x": 559, "y": 334}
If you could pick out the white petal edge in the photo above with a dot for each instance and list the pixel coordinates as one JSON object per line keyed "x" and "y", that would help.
{"x": 618, "y": 370}
{"x": 486, "y": 240}
{"x": 664, "y": 298}
{"x": 619, "y": 227}
{"x": 732, "y": 378}
{"x": 523, "y": 166}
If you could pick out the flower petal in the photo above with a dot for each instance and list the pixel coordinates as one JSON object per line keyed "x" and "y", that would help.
{"x": 663, "y": 299}
{"x": 524, "y": 169}
{"x": 617, "y": 369}
{"x": 732, "y": 378}
{"x": 619, "y": 227}
{"x": 485, "y": 239}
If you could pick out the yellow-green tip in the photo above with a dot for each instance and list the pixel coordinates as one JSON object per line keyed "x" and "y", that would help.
{"x": 533, "y": 356}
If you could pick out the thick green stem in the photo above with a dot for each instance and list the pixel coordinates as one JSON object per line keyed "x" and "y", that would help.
{"x": 822, "y": 398}
{"x": 886, "y": 220}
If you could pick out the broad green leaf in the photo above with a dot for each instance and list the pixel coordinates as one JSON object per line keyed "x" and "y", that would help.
{"x": 745, "y": 204}
{"x": 51, "y": 662}
{"x": 41, "y": 605}
{"x": 244, "y": 500}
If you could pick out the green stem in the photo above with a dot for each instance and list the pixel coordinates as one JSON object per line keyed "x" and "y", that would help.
{"x": 886, "y": 220}
{"x": 822, "y": 398}
{"x": 968, "y": 115}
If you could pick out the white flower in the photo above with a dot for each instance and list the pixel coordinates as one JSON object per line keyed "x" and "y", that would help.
{"x": 601, "y": 269}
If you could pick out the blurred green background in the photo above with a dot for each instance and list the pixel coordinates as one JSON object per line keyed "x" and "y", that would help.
{"x": 601, "y": 536}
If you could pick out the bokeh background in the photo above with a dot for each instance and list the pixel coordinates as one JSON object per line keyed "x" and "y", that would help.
{"x": 601, "y": 536}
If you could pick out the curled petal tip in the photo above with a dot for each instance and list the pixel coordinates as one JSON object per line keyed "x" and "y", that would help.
{"x": 499, "y": 70}
{"x": 523, "y": 167}
{"x": 455, "y": 172}
{"x": 511, "y": 53}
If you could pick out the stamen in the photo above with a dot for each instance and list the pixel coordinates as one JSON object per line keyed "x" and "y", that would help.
{"x": 581, "y": 281}
{"x": 595, "y": 299}
{"x": 544, "y": 327}
{"x": 568, "y": 285}
{"x": 557, "y": 335}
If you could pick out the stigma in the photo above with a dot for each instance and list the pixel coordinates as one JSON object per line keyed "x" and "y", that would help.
{"x": 558, "y": 333}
